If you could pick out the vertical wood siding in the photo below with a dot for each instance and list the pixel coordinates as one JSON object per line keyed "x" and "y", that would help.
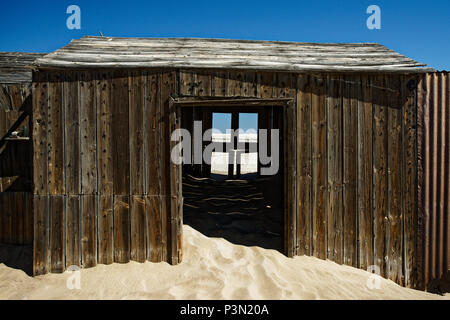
{"x": 350, "y": 184}
{"x": 16, "y": 170}
{"x": 355, "y": 138}
{"x": 102, "y": 175}
{"x": 357, "y": 168}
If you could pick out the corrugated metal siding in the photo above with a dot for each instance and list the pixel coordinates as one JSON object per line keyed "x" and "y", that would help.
{"x": 434, "y": 178}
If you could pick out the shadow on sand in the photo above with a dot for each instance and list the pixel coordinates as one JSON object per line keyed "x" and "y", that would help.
{"x": 246, "y": 211}
{"x": 17, "y": 257}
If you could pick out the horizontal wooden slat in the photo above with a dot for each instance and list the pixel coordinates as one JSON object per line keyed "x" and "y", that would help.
{"x": 198, "y": 102}
{"x": 94, "y": 52}
{"x": 13, "y": 66}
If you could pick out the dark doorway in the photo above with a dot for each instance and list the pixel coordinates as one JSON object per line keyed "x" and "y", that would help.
{"x": 233, "y": 200}
{"x": 17, "y": 257}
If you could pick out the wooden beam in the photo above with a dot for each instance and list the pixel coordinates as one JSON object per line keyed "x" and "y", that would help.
{"x": 230, "y": 102}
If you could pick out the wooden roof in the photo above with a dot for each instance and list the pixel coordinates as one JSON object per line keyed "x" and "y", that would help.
{"x": 107, "y": 52}
{"x": 13, "y": 66}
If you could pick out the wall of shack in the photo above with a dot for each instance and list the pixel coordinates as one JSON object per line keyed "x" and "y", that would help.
{"x": 105, "y": 190}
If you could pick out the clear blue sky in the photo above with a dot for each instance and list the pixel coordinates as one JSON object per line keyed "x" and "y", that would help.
{"x": 417, "y": 29}
{"x": 247, "y": 121}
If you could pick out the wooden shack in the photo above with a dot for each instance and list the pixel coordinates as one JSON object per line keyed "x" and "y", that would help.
{"x": 16, "y": 161}
{"x": 106, "y": 191}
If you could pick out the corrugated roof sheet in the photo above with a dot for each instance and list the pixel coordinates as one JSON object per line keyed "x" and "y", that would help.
{"x": 107, "y": 52}
{"x": 13, "y": 66}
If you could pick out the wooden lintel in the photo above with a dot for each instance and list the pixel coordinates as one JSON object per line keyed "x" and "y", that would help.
{"x": 230, "y": 102}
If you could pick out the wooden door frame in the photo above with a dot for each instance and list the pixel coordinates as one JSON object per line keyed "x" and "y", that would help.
{"x": 289, "y": 154}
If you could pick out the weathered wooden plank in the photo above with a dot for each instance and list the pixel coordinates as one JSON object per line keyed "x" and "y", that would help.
{"x": 27, "y": 163}
{"x": 187, "y": 123}
{"x": 235, "y": 84}
{"x": 291, "y": 180}
{"x": 334, "y": 168}
{"x": 250, "y": 86}
{"x": 27, "y": 104}
{"x": 179, "y": 198}
{"x": 55, "y": 133}
{"x": 365, "y": 171}
{"x": 203, "y": 84}
{"x": 425, "y": 160}
{"x": 88, "y": 134}
{"x": 175, "y": 191}
{"x": 73, "y": 231}
{"x": 88, "y": 231}
{"x": 11, "y": 112}
{"x": 319, "y": 155}
{"x": 395, "y": 177}
{"x": 263, "y": 124}
{"x": 411, "y": 137}
{"x": 136, "y": 131}
{"x": 121, "y": 229}
{"x": 8, "y": 164}
{"x": 2, "y": 216}
{"x": 105, "y": 229}
{"x": 72, "y": 168}
{"x": 165, "y": 236}
{"x": 207, "y": 114}
{"x": 120, "y": 133}
{"x": 40, "y": 116}
{"x": 138, "y": 228}
{"x": 57, "y": 245}
{"x": 198, "y": 49}
{"x": 168, "y": 86}
{"x": 14, "y": 107}
{"x": 154, "y": 224}
{"x": 3, "y": 124}
{"x": 6, "y": 228}
{"x": 16, "y": 217}
{"x": 187, "y": 83}
{"x": 283, "y": 87}
{"x": 350, "y": 174}
{"x": 104, "y": 133}
{"x": 380, "y": 154}
{"x": 17, "y": 97}
{"x": 41, "y": 235}
{"x": 14, "y": 104}
{"x": 234, "y": 126}
{"x": 237, "y": 55}
{"x": 219, "y": 84}
{"x": 254, "y": 104}
{"x": 28, "y": 220}
{"x": 151, "y": 135}
{"x": 21, "y": 207}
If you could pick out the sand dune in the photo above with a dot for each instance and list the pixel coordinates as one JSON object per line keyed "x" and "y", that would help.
{"x": 212, "y": 269}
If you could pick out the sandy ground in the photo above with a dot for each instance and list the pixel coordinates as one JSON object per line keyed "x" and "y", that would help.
{"x": 212, "y": 269}
{"x": 248, "y": 161}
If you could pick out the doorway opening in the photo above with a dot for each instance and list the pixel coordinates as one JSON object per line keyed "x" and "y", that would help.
{"x": 229, "y": 197}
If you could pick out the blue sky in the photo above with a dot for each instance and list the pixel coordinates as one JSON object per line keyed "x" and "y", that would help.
{"x": 247, "y": 122}
{"x": 417, "y": 29}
